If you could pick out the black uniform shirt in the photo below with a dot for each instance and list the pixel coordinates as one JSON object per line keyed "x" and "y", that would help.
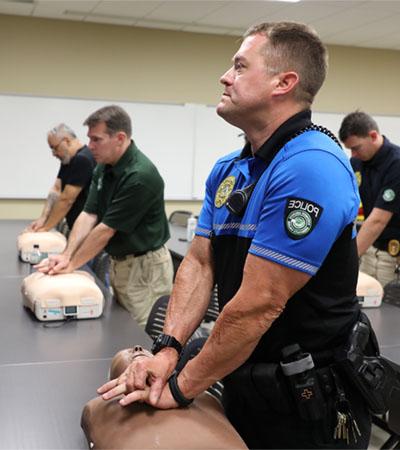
{"x": 379, "y": 184}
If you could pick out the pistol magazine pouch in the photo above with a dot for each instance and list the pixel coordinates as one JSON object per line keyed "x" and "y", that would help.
{"x": 58, "y": 297}
{"x": 374, "y": 376}
{"x": 49, "y": 242}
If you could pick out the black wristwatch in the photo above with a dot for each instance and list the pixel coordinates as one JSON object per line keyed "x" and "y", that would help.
{"x": 164, "y": 340}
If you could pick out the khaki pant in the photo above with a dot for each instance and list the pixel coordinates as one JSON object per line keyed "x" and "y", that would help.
{"x": 379, "y": 264}
{"x": 139, "y": 281}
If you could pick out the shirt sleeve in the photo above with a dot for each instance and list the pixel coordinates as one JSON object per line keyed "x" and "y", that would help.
{"x": 389, "y": 194}
{"x": 205, "y": 222}
{"x": 310, "y": 199}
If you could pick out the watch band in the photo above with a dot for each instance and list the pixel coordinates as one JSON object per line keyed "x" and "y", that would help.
{"x": 165, "y": 340}
{"x": 176, "y": 392}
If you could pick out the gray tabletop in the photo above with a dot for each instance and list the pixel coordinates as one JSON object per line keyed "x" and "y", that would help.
{"x": 48, "y": 371}
{"x": 385, "y": 319}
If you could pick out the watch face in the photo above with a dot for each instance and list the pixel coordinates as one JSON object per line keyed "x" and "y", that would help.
{"x": 163, "y": 340}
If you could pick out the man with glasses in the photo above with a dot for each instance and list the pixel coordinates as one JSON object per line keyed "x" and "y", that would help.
{"x": 68, "y": 194}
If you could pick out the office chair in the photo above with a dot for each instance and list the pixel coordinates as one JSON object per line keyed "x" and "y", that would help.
{"x": 179, "y": 218}
{"x": 101, "y": 267}
{"x": 63, "y": 228}
{"x": 154, "y": 327}
{"x": 391, "y": 292}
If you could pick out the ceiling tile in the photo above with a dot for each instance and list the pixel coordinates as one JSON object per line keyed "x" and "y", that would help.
{"x": 24, "y": 9}
{"x": 240, "y": 13}
{"x": 185, "y": 11}
{"x": 137, "y": 9}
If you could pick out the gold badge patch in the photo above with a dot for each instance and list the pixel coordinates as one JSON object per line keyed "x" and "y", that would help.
{"x": 224, "y": 190}
{"x": 358, "y": 178}
{"x": 393, "y": 247}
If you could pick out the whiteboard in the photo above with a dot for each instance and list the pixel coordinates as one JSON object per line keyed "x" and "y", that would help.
{"x": 183, "y": 140}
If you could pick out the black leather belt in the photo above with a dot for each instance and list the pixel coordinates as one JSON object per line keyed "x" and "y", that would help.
{"x": 132, "y": 255}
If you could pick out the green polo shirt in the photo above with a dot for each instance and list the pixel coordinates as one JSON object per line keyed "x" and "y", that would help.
{"x": 129, "y": 197}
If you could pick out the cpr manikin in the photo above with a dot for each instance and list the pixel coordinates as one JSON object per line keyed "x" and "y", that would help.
{"x": 203, "y": 425}
{"x": 47, "y": 242}
{"x": 369, "y": 290}
{"x": 57, "y": 297}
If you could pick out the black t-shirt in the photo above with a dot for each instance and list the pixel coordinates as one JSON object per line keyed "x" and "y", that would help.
{"x": 77, "y": 173}
{"x": 379, "y": 185}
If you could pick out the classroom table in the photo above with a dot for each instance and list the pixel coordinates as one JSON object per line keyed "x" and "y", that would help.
{"x": 385, "y": 319}
{"x": 49, "y": 370}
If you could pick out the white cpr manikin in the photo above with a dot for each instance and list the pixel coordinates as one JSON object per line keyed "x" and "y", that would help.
{"x": 49, "y": 242}
{"x": 369, "y": 291}
{"x": 57, "y": 297}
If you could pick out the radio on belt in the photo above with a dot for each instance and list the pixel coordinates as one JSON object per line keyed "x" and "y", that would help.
{"x": 58, "y": 297}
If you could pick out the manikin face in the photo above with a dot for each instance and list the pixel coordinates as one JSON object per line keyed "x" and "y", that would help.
{"x": 59, "y": 147}
{"x": 248, "y": 84}
{"x": 363, "y": 148}
{"x": 102, "y": 145}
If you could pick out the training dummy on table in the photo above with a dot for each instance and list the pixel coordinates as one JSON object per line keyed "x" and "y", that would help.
{"x": 140, "y": 426}
{"x": 283, "y": 253}
{"x": 124, "y": 214}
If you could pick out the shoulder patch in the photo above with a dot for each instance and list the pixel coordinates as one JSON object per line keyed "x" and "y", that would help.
{"x": 224, "y": 190}
{"x": 388, "y": 195}
{"x": 301, "y": 217}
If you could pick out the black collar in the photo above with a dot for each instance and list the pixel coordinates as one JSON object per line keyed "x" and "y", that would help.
{"x": 380, "y": 155}
{"x": 279, "y": 137}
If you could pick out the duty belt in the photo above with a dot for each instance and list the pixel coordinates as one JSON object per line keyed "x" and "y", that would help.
{"x": 392, "y": 246}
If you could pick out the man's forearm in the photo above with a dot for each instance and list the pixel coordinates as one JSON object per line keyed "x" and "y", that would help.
{"x": 57, "y": 213}
{"x": 82, "y": 227}
{"x": 93, "y": 244}
{"x": 191, "y": 293}
{"x": 372, "y": 228}
{"x": 51, "y": 200}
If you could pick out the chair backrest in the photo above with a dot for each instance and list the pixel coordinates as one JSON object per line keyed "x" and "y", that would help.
{"x": 212, "y": 312}
{"x": 154, "y": 327}
{"x": 179, "y": 218}
{"x": 101, "y": 267}
{"x": 63, "y": 228}
{"x": 155, "y": 321}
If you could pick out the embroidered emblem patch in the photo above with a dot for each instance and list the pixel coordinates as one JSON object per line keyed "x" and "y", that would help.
{"x": 99, "y": 183}
{"x": 301, "y": 216}
{"x": 224, "y": 190}
{"x": 358, "y": 178}
{"x": 388, "y": 195}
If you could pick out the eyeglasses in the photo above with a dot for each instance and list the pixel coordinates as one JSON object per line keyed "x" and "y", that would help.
{"x": 54, "y": 148}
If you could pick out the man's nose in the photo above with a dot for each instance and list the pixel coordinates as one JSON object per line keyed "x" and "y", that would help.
{"x": 226, "y": 77}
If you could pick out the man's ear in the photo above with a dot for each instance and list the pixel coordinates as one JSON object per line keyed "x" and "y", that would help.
{"x": 285, "y": 83}
{"x": 121, "y": 136}
{"x": 373, "y": 134}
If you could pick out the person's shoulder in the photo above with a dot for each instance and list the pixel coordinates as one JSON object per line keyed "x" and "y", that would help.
{"x": 226, "y": 159}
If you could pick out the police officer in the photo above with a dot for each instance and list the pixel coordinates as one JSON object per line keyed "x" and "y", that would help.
{"x": 376, "y": 162}
{"x": 276, "y": 234}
